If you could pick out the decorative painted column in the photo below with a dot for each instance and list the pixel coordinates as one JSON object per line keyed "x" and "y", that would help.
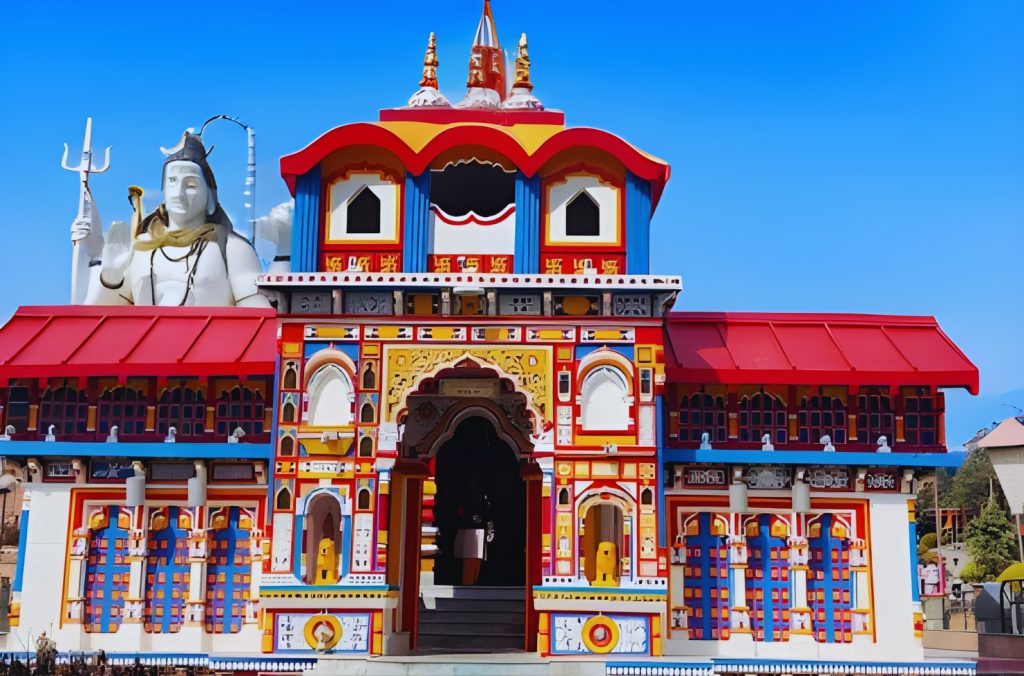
{"x": 138, "y": 545}
{"x": 800, "y": 627}
{"x": 861, "y": 612}
{"x": 198, "y": 548}
{"x": 739, "y": 616}
{"x": 75, "y": 609}
{"x": 252, "y": 605}
{"x": 533, "y": 478}
{"x": 404, "y": 534}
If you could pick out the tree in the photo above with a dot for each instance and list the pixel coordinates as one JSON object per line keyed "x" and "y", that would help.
{"x": 991, "y": 542}
{"x": 972, "y": 484}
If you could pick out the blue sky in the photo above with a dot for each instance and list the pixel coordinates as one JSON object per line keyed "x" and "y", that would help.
{"x": 848, "y": 156}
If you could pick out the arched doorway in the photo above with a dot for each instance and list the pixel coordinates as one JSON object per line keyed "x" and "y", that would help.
{"x": 480, "y": 496}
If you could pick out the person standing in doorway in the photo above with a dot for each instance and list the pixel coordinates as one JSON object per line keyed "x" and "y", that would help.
{"x": 476, "y": 530}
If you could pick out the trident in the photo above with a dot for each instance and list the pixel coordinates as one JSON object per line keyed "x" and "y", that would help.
{"x": 88, "y": 217}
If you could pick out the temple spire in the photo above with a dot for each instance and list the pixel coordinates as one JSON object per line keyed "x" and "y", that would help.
{"x": 522, "y": 89}
{"x": 430, "y": 64}
{"x": 427, "y": 94}
{"x": 522, "y": 67}
{"x": 486, "y": 62}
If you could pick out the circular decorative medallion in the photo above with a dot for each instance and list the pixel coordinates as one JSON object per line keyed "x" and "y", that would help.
{"x": 600, "y": 634}
{"x": 325, "y": 628}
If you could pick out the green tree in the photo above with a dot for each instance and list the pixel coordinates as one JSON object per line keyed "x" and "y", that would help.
{"x": 971, "y": 485}
{"x": 991, "y": 542}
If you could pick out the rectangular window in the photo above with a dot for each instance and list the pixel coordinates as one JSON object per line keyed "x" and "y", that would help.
{"x": 59, "y": 471}
{"x": 233, "y": 472}
{"x": 171, "y": 471}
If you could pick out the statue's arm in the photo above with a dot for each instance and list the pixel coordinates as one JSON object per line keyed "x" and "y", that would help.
{"x": 102, "y": 292}
{"x": 243, "y": 269}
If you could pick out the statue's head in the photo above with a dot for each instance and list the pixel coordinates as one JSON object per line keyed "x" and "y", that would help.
{"x": 186, "y": 193}
{"x": 188, "y": 183}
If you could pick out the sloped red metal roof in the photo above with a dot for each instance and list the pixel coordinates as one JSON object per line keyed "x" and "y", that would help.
{"x": 813, "y": 349}
{"x": 79, "y": 340}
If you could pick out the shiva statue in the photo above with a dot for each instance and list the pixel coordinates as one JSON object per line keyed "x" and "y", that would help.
{"x": 184, "y": 253}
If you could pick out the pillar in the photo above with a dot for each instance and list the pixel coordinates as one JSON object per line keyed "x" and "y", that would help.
{"x": 800, "y": 628}
{"x": 403, "y": 567}
{"x": 533, "y": 478}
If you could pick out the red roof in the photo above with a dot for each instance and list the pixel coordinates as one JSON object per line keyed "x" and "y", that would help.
{"x": 81, "y": 340}
{"x": 813, "y": 349}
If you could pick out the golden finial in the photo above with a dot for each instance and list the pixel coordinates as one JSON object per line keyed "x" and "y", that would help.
{"x": 522, "y": 80}
{"x": 430, "y": 64}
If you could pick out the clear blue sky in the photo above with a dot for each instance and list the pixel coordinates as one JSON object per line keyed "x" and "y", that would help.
{"x": 858, "y": 156}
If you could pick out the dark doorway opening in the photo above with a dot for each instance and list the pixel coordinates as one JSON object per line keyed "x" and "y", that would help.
{"x": 478, "y": 481}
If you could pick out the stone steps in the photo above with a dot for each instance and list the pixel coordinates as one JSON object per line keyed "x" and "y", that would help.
{"x": 471, "y": 619}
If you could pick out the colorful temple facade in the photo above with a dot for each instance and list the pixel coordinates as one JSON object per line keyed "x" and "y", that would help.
{"x": 468, "y": 328}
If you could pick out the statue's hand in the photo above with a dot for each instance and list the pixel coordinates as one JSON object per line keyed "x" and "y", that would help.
{"x": 117, "y": 253}
{"x": 91, "y": 238}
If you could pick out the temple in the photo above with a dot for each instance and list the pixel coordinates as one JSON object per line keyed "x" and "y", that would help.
{"x": 470, "y": 419}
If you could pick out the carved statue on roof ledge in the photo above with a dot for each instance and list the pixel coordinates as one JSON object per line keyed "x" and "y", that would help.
{"x": 184, "y": 253}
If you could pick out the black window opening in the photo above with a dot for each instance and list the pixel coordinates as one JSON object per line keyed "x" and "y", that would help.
{"x": 364, "y": 213}
{"x": 582, "y": 216}
{"x": 484, "y": 189}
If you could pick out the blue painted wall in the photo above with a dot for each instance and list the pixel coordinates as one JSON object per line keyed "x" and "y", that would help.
{"x": 417, "y": 222}
{"x": 528, "y": 217}
{"x": 306, "y": 221}
{"x": 638, "y": 225}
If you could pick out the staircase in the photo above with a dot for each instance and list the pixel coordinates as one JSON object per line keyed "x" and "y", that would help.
{"x": 471, "y": 619}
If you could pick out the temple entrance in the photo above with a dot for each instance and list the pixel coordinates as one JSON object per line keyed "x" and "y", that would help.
{"x": 479, "y": 509}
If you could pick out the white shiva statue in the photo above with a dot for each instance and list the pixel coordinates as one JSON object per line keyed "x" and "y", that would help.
{"x": 184, "y": 253}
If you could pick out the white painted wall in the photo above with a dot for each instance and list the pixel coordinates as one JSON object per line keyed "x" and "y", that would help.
{"x": 43, "y": 582}
{"x": 472, "y": 238}
{"x": 892, "y": 606}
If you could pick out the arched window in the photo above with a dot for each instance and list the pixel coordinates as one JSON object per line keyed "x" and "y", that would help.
{"x": 366, "y": 413}
{"x": 288, "y": 412}
{"x": 700, "y": 413}
{"x": 366, "y": 447}
{"x": 369, "y": 377}
{"x": 821, "y": 415}
{"x": 124, "y": 407}
{"x": 647, "y": 497}
{"x": 183, "y": 409}
{"x": 323, "y": 538}
{"x": 284, "y": 499}
{"x": 287, "y": 446}
{"x": 604, "y": 401}
{"x": 762, "y": 414}
{"x": 65, "y": 408}
{"x": 364, "y": 213}
{"x": 563, "y": 496}
{"x": 290, "y": 377}
{"x": 582, "y": 216}
{"x": 875, "y": 417}
{"x": 240, "y": 407}
{"x": 920, "y": 421}
{"x": 363, "y": 499}
{"x": 603, "y": 526}
{"x": 330, "y": 397}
